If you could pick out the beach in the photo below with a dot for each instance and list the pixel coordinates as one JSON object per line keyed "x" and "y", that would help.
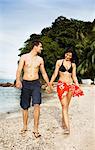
{"x": 82, "y": 123}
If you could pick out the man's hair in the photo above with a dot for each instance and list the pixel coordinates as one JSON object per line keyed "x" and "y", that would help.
{"x": 36, "y": 43}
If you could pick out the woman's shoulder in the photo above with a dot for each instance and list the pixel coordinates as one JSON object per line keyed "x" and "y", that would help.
{"x": 59, "y": 60}
{"x": 73, "y": 64}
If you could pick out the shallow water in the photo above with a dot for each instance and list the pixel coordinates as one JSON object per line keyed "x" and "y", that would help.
{"x": 9, "y": 99}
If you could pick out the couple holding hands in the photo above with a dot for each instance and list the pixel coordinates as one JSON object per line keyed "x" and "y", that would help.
{"x": 67, "y": 86}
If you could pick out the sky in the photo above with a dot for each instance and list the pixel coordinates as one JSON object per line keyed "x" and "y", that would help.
{"x": 21, "y": 18}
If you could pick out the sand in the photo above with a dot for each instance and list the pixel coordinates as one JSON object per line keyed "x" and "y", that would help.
{"x": 82, "y": 122}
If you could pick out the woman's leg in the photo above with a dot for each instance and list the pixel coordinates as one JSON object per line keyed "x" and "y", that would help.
{"x": 63, "y": 122}
{"x": 64, "y": 103}
{"x": 69, "y": 96}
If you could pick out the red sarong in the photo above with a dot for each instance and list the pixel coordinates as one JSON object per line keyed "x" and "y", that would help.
{"x": 63, "y": 89}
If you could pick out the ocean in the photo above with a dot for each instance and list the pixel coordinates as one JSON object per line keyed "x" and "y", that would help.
{"x": 9, "y": 97}
{"x": 7, "y": 80}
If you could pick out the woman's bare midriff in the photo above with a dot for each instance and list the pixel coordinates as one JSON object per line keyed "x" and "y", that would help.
{"x": 65, "y": 77}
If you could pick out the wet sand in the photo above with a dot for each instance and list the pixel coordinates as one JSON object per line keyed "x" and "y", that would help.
{"x": 82, "y": 122}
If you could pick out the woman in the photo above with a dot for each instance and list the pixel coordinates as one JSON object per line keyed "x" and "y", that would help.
{"x": 67, "y": 86}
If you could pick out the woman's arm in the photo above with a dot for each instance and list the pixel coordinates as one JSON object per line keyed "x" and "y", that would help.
{"x": 74, "y": 77}
{"x": 55, "y": 72}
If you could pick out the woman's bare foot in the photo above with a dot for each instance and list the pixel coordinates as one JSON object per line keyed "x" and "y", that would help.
{"x": 66, "y": 131}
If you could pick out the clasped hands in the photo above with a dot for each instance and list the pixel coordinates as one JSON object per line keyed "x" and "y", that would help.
{"x": 49, "y": 88}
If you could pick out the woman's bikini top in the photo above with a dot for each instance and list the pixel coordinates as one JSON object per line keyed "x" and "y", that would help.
{"x": 63, "y": 69}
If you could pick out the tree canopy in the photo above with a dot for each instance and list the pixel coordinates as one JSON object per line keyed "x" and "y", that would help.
{"x": 65, "y": 33}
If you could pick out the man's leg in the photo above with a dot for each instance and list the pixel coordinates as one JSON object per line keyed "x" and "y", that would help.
{"x": 36, "y": 101}
{"x": 25, "y": 103}
{"x": 36, "y": 117}
{"x": 25, "y": 120}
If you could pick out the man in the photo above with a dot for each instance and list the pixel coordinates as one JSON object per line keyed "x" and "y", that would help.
{"x": 31, "y": 63}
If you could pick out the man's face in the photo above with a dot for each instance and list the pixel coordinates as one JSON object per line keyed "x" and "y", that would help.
{"x": 39, "y": 48}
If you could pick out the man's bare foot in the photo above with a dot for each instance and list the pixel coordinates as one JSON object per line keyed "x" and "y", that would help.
{"x": 23, "y": 130}
{"x": 36, "y": 134}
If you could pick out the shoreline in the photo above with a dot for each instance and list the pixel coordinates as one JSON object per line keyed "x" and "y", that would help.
{"x": 45, "y": 96}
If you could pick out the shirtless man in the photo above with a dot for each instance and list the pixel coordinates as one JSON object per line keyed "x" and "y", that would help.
{"x": 31, "y": 63}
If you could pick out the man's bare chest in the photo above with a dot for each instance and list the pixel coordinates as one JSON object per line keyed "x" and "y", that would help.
{"x": 30, "y": 63}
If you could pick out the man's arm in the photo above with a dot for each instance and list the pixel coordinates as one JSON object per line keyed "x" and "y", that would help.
{"x": 55, "y": 72}
{"x": 43, "y": 71}
{"x": 18, "y": 73}
{"x": 74, "y": 74}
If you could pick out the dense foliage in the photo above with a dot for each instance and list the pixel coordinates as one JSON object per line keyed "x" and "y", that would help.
{"x": 65, "y": 33}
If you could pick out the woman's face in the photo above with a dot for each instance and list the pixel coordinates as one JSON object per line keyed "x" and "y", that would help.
{"x": 68, "y": 56}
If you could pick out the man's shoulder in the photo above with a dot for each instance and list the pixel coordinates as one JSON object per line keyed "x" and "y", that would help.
{"x": 24, "y": 56}
{"x": 39, "y": 58}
